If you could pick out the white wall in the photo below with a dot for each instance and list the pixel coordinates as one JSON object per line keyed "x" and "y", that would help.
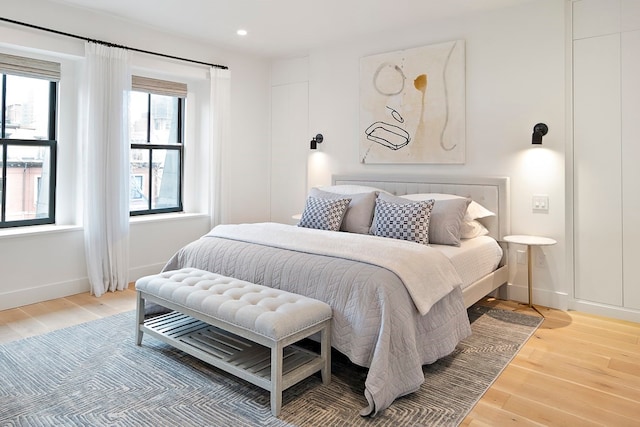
{"x": 515, "y": 78}
{"x": 39, "y": 263}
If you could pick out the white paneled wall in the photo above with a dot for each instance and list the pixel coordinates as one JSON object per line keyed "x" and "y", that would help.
{"x": 606, "y": 100}
{"x": 630, "y": 150}
{"x": 289, "y": 147}
{"x": 597, "y": 151}
{"x": 290, "y": 138}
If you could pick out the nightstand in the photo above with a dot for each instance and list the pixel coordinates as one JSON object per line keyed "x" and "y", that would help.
{"x": 530, "y": 241}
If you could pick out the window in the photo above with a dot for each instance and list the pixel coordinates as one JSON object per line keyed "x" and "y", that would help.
{"x": 156, "y": 117}
{"x": 27, "y": 141}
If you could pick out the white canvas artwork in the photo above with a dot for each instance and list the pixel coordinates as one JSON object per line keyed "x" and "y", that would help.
{"x": 412, "y": 105}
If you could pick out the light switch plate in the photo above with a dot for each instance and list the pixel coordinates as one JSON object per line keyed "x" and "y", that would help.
{"x": 540, "y": 203}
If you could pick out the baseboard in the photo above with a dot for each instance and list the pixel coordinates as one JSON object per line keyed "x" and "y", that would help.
{"x": 543, "y": 297}
{"x": 43, "y": 293}
{"x": 51, "y": 291}
{"x": 599, "y": 309}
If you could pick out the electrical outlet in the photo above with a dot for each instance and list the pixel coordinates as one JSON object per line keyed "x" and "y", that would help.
{"x": 541, "y": 260}
{"x": 540, "y": 203}
{"x": 522, "y": 257}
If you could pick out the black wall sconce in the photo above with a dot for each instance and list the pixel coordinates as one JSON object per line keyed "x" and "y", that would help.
{"x": 316, "y": 140}
{"x": 539, "y": 131}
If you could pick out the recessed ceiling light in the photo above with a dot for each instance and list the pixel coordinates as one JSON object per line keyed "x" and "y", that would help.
{"x": 241, "y": 32}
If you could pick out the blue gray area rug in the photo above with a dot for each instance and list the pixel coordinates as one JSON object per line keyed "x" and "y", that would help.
{"x": 94, "y": 375}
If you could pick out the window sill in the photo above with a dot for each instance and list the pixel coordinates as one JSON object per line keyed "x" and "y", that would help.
{"x": 165, "y": 217}
{"x": 33, "y": 230}
{"x": 36, "y": 230}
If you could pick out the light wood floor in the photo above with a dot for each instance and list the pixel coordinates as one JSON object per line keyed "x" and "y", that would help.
{"x": 577, "y": 369}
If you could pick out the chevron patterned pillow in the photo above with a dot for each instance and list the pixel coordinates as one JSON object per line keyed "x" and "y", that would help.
{"x": 323, "y": 214}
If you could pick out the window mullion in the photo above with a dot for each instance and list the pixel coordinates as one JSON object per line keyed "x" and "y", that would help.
{"x": 4, "y": 105}
{"x": 53, "y": 167}
{"x": 149, "y": 119}
{"x": 150, "y": 187}
{"x": 4, "y": 151}
{"x": 4, "y": 183}
{"x": 53, "y": 97}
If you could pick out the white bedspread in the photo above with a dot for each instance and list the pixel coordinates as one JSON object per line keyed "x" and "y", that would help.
{"x": 474, "y": 258}
{"x": 411, "y": 262}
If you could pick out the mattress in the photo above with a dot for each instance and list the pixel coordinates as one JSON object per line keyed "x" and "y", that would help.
{"x": 474, "y": 258}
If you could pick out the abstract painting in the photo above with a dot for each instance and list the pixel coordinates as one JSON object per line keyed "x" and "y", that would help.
{"x": 412, "y": 105}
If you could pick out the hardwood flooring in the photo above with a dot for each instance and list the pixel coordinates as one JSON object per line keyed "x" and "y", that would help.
{"x": 576, "y": 370}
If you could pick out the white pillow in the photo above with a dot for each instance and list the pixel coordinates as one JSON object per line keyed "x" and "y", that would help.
{"x": 429, "y": 196}
{"x": 350, "y": 189}
{"x": 474, "y": 211}
{"x": 477, "y": 211}
{"x": 471, "y": 229}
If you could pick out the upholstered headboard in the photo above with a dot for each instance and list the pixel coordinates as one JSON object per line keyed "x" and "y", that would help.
{"x": 490, "y": 192}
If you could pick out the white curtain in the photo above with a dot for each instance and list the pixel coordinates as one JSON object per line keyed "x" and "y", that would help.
{"x": 105, "y": 144}
{"x": 219, "y": 132}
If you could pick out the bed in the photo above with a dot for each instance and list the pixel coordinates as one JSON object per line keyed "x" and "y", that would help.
{"x": 386, "y": 317}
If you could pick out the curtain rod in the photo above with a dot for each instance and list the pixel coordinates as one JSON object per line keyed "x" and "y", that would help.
{"x": 37, "y": 27}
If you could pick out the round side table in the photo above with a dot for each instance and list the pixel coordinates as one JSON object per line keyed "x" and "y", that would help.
{"x": 530, "y": 241}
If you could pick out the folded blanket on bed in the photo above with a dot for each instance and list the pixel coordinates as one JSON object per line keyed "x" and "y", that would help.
{"x": 427, "y": 274}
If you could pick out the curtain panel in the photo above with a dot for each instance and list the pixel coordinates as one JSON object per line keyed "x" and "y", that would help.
{"x": 220, "y": 105}
{"x": 105, "y": 149}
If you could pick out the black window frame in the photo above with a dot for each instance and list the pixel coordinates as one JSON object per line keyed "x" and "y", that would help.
{"x": 51, "y": 143}
{"x": 177, "y": 146}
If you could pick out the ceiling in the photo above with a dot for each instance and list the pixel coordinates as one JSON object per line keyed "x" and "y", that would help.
{"x": 279, "y": 28}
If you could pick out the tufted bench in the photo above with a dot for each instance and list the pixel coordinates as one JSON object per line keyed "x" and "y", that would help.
{"x": 240, "y": 327}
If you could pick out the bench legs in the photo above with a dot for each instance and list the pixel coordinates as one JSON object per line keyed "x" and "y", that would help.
{"x": 325, "y": 353}
{"x": 139, "y": 317}
{"x": 277, "y": 351}
{"x": 276, "y": 378}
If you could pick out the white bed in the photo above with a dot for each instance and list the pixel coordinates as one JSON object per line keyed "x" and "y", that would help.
{"x": 379, "y": 320}
{"x": 474, "y": 258}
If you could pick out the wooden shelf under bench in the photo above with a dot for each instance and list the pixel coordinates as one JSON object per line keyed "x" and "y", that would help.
{"x": 231, "y": 353}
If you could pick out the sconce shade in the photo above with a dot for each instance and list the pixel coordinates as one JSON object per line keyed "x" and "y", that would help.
{"x": 539, "y": 131}
{"x": 316, "y": 140}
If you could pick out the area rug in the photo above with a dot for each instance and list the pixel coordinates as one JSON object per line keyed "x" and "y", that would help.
{"x": 94, "y": 375}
